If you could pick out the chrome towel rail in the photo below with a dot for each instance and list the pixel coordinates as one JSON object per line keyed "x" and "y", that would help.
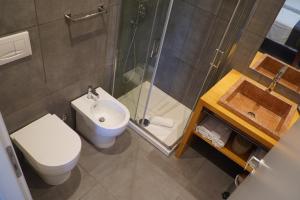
{"x": 100, "y": 10}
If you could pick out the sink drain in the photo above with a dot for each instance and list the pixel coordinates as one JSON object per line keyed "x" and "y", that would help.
{"x": 101, "y": 119}
{"x": 251, "y": 114}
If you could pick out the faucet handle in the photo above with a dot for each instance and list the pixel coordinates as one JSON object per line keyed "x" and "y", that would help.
{"x": 89, "y": 93}
{"x": 90, "y": 87}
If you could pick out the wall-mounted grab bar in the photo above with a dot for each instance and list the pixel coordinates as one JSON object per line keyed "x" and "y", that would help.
{"x": 100, "y": 10}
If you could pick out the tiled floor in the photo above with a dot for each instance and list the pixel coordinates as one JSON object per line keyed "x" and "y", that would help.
{"x": 134, "y": 170}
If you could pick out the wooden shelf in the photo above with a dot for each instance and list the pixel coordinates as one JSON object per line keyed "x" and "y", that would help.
{"x": 209, "y": 101}
{"x": 241, "y": 160}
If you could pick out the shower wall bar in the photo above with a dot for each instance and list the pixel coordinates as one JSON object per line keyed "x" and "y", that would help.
{"x": 100, "y": 10}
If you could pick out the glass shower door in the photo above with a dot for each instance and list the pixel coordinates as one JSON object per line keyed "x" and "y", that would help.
{"x": 196, "y": 43}
{"x": 141, "y": 24}
{"x": 169, "y": 53}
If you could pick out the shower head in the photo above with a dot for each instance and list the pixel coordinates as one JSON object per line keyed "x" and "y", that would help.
{"x": 140, "y": 14}
{"x": 142, "y": 9}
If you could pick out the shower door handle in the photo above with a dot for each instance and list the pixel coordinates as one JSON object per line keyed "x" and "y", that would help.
{"x": 217, "y": 59}
{"x": 155, "y": 48}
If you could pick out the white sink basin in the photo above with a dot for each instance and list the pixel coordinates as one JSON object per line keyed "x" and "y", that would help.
{"x": 109, "y": 114}
{"x": 100, "y": 121}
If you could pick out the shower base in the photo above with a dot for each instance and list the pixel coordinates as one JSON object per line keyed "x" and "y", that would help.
{"x": 160, "y": 104}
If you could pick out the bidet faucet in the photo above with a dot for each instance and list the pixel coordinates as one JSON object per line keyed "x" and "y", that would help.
{"x": 92, "y": 94}
{"x": 277, "y": 77}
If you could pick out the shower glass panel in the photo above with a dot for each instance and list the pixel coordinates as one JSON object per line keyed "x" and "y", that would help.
{"x": 169, "y": 54}
{"x": 141, "y": 25}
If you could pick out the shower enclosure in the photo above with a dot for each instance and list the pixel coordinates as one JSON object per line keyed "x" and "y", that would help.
{"x": 169, "y": 53}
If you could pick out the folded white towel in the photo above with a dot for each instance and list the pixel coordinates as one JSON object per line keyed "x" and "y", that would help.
{"x": 221, "y": 134}
{"x": 203, "y": 131}
{"x": 161, "y": 121}
{"x": 214, "y": 130}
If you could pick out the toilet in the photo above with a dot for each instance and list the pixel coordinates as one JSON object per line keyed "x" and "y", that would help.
{"x": 50, "y": 146}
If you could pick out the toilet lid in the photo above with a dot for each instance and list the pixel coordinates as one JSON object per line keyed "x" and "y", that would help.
{"x": 49, "y": 141}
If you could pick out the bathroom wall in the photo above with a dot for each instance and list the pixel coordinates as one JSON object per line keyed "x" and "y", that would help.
{"x": 259, "y": 24}
{"x": 66, "y": 59}
{"x": 194, "y": 31}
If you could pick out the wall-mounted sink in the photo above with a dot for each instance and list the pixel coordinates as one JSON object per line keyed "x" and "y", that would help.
{"x": 259, "y": 107}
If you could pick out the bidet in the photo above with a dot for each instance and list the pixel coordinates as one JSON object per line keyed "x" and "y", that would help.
{"x": 101, "y": 119}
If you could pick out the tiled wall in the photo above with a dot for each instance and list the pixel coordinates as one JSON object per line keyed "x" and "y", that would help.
{"x": 263, "y": 17}
{"x": 194, "y": 31}
{"x": 66, "y": 59}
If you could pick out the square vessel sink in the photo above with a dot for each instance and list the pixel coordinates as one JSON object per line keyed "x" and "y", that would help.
{"x": 257, "y": 106}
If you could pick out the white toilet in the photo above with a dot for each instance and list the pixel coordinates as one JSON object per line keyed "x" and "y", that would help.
{"x": 50, "y": 146}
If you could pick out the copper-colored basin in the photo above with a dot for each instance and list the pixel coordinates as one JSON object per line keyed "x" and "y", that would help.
{"x": 259, "y": 107}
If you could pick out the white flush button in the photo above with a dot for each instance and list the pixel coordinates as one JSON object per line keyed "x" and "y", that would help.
{"x": 6, "y": 49}
{"x": 20, "y": 45}
{"x": 14, "y": 47}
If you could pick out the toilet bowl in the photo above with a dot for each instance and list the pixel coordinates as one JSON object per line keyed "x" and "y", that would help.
{"x": 101, "y": 120}
{"x": 50, "y": 146}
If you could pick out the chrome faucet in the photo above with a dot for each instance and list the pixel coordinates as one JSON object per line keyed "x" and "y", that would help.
{"x": 277, "y": 77}
{"x": 92, "y": 94}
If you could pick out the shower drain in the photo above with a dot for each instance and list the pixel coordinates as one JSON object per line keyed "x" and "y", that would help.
{"x": 101, "y": 119}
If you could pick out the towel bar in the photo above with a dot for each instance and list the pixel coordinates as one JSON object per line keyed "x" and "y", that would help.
{"x": 101, "y": 10}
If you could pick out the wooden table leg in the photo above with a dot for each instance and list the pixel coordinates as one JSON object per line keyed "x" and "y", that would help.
{"x": 183, "y": 144}
{"x": 188, "y": 134}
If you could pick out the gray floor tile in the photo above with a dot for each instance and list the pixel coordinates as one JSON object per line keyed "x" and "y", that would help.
{"x": 76, "y": 186}
{"x": 212, "y": 180}
{"x": 135, "y": 178}
{"x": 134, "y": 170}
{"x": 98, "y": 192}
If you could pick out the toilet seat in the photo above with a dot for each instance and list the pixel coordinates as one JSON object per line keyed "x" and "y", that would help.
{"x": 49, "y": 144}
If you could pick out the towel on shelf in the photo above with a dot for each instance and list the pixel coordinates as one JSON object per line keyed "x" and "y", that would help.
{"x": 214, "y": 130}
{"x": 206, "y": 128}
{"x": 203, "y": 131}
{"x": 221, "y": 135}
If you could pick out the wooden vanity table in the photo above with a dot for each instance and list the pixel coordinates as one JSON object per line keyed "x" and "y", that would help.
{"x": 209, "y": 104}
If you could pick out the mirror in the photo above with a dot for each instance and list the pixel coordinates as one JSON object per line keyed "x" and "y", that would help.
{"x": 281, "y": 47}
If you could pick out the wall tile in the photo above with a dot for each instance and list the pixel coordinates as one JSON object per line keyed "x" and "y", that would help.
{"x": 26, "y": 115}
{"x": 178, "y": 27}
{"x": 199, "y": 31}
{"x": 164, "y": 75}
{"x": 16, "y": 15}
{"x": 246, "y": 50}
{"x": 22, "y": 81}
{"x": 226, "y": 9}
{"x": 112, "y": 28}
{"x": 207, "y": 5}
{"x": 212, "y": 43}
{"x": 263, "y": 18}
{"x": 69, "y": 58}
{"x": 180, "y": 82}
